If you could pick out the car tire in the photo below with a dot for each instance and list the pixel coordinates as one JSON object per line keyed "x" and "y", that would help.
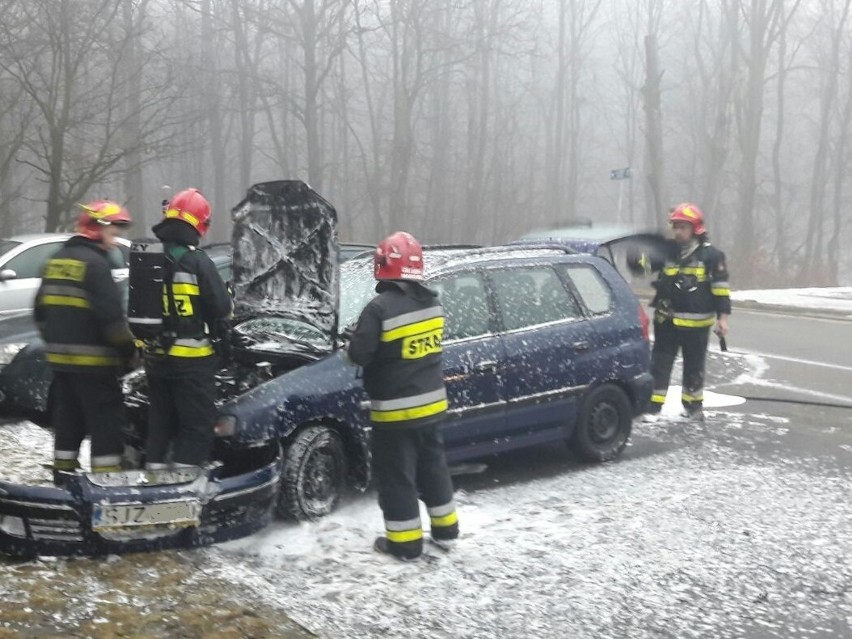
{"x": 604, "y": 426}
{"x": 314, "y": 474}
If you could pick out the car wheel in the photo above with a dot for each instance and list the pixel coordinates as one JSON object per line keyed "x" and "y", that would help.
{"x": 314, "y": 474}
{"x": 604, "y": 425}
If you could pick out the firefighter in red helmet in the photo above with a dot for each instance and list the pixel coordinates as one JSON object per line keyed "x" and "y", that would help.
{"x": 692, "y": 296}
{"x": 181, "y": 363}
{"x": 80, "y": 315}
{"x": 398, "y": 342}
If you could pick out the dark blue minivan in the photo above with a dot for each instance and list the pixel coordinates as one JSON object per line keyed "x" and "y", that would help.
{"x": 541, "y": 345}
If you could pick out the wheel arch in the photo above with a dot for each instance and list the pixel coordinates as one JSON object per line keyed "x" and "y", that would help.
{"x": 355, "y": 445}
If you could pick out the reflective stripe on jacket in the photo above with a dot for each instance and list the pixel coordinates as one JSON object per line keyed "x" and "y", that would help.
{"x": 398, "y": 342}
{"x": 79, "y": 311}
{"x": 693, "y": 290}
{"x": 195, "y": 303}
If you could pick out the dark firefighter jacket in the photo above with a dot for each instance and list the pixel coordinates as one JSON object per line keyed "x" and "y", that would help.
{"x": 398, "y": 342}
{"x": 196, "y": 302}
{"x": 79, "y": 310}
{"x": 693, "y": 289}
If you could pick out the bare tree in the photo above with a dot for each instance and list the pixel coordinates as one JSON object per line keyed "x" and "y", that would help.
{"x": 576, "y": 26}
{"x": 717, "y": 62}
{"x": 67, "y": 63}
{"x": 655, "y": 198}
{"x": 765, "y": 21}
{"x": 813, "y": 264}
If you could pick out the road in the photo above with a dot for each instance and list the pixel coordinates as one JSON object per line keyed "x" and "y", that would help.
{"x": 805, "y": 353}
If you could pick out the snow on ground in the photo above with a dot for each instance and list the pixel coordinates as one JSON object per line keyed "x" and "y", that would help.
{"x": 837, "y": 299}
{"x": 27, "y": 453}
{"x": 690, "y": 534}
{"x": 692, "y": 542}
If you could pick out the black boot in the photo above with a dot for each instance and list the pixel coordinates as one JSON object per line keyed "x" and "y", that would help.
{"x": 397, "y": 551}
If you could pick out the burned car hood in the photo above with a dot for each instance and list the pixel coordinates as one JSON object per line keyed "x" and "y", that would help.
{"x": 285, "y": 271}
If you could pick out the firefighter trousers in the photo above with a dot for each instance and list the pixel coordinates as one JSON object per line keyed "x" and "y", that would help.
{"x": 692, "y": 342}
{"x": 87, "y": 404}
{"x": 181, "y": 411}
{"x": 409, "y": 464}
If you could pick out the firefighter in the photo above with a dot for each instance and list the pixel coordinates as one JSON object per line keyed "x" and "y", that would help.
{"x": 181, "y": 363}
{"x": 398, "y": 342}
{"x": 692, "y": 295}
{"x": 80, "y": 315}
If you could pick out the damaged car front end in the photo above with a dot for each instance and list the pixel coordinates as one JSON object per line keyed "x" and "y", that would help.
{"x": 286, "y": 283}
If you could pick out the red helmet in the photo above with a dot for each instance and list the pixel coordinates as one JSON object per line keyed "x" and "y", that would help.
{"x": 99, "y": 214}
{"x": 191, "y": 207}
{"x": 399, "y": 257}
{"x": 688, "y": 212}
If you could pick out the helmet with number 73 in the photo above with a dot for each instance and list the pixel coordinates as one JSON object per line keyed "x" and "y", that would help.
{"x": 98, "y": 214}
{"x": 399, "y": 257}
{"x": 191, "y": 207}
{"x": 688, "y": 212}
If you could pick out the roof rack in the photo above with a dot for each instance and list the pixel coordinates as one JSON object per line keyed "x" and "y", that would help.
{"x": 526, "y": 244}
{"x": 449, "y": 247}
{"x": 511, "y": 248}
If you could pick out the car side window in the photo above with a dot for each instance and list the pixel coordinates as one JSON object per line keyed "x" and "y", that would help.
{"x": 595, "y": 292}
{"x": 465, "y": 305}
{"x": 117, "y": 257}
{"x": 530, "y": 296}
{"x": 31, "y": 262}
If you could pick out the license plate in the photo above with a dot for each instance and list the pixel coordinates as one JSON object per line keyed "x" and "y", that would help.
{"x": 173, "y": 514}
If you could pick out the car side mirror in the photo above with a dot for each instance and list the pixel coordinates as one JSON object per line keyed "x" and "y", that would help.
{"x": 8, "y": 274}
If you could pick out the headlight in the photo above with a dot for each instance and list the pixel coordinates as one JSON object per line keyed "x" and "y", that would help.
{"x": 13, "y": 526}
{"x": 8, "y": 351}
{"x": 225, "y": 426}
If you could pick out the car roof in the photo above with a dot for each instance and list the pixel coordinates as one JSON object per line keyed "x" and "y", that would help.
{"x": 23, "y": 238}
{"x": 446, "y": 258}
{"x": 38, "y": 237}
{"x": 586, "y": 238}
{"x": 218, "y": 249}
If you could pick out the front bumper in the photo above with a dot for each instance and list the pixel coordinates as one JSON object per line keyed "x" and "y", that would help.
{"x": 132, "y": 511}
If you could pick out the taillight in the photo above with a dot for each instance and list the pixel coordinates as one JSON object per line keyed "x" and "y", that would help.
{"x": 645, "y": 322}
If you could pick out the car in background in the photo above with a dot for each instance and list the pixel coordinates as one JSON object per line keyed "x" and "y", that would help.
{"x": 349, "y": 250}
{"x": 629, "y": 250}
{"x": 24, "y": 373}
{"x": 22, "y": 258}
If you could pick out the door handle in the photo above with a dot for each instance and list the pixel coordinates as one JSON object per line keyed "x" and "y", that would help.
{"x": 485, "y": 366}
{"x": 582, "y": 345}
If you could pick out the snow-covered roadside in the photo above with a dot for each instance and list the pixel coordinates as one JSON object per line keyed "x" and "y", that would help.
{"x": 834, "y": 299}
{"x": 692, "y": 542}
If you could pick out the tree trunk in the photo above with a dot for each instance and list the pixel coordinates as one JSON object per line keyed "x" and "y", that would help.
{"x": 221, "y": 229}
{"x": 655, "y": 197}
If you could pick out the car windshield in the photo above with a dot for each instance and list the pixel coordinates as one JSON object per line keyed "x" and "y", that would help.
{"x": 7, "y": 245}
{"x": 357, "y": 287}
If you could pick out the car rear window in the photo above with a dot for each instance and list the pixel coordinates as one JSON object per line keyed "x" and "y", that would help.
{"x": 465, "y": 303}
{"x": 530, "y": 296}
{"x": 595, "y": 292}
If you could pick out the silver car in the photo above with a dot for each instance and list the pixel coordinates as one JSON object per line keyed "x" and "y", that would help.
{"x": 22, "y": 258}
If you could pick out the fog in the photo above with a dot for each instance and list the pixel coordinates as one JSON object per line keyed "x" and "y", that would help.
{"x": 457, "y": 120}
